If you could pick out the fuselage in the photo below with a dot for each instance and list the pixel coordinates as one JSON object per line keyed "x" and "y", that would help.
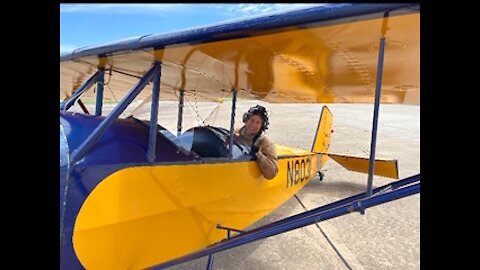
{"x": 117, "y": 210}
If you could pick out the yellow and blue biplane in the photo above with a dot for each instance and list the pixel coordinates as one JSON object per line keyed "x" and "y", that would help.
{"x": 136, "y": 195}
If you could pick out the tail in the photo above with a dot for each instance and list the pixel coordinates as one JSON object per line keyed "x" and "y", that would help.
{"x": 321, "y": 144}
{"x": 323, "y": 136}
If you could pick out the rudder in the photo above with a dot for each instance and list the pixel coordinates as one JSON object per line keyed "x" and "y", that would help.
{"x": 323, "y": 134}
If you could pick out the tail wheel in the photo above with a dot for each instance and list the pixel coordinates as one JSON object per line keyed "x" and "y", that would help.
{"x": 320, "y": 175}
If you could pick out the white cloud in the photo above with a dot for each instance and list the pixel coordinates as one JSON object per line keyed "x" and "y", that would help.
{"x": 122, "y": 8}
{"x": 252, "y": 9}
{"x": 161, "y": 9}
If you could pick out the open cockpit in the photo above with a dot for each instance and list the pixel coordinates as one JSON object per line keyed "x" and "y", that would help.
{"x": 129, "y": 138}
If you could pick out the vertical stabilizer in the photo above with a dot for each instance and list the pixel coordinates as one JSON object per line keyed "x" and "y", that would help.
{"x": 323, "y": 136}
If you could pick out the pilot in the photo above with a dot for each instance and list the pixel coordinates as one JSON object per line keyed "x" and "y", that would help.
{"x": 253, "y": 133}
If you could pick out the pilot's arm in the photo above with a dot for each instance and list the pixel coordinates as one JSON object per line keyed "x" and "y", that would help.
{"x": 267, "y": 158}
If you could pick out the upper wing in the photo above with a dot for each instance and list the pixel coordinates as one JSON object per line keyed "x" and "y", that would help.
{"x": 324, "y": 54}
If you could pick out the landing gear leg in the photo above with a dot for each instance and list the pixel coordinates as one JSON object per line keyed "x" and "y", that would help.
{"x": 320, "y": 175}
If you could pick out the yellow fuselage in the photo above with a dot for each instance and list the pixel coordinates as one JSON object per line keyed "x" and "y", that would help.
{"x": 141, "y": 216}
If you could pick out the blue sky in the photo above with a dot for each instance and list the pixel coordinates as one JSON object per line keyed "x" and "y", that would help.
{"x": 93, "y": 24}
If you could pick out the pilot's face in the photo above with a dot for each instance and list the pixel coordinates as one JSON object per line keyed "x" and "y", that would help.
{"x": 253, "y": 124}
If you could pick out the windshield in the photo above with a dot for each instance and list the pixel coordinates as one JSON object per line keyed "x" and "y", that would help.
{"x": 211, "y": 142}
{"x": 64, "y": 156}
{"x": 63, "y": 148}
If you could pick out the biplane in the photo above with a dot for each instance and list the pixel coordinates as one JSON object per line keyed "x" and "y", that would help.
{"x": 134, "y": 194}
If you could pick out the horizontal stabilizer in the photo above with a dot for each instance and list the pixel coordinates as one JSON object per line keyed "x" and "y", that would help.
{"x": 386, "y": 168}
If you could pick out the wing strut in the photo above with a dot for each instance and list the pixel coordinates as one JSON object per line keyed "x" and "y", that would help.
{"x": 84, "y": 108}
{"x": 92, "y": 139}
{"x": 152, "y": 142}
{"x": 84, "y": 87}
{"x": 232, "y": 123}
{"x": 378, "y": 89}
{"x": 99, "y": 97}
{"x": 180, "y": 112}
{"x": 358, "y": 203}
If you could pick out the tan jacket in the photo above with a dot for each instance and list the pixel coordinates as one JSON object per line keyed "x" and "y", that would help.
{"x": 267, "y": 155}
